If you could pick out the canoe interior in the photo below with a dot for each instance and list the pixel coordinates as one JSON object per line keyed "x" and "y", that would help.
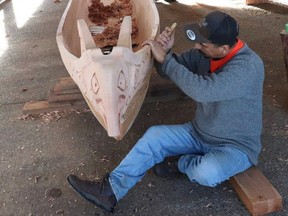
{"x": 142, "y": 11}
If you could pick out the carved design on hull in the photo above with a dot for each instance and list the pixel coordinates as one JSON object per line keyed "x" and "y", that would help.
{"x": 94, "y": 84}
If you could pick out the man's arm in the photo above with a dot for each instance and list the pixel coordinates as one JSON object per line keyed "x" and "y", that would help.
{"x": 235, "y": 79}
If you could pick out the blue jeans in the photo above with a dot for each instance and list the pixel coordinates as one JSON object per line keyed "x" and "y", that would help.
{"x": 203, "y": 163}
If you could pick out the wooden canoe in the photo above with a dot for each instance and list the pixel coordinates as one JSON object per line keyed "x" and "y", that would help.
{"x": 114, "y": 82}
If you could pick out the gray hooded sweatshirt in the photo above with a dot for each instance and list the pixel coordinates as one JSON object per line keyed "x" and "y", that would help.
{"x": 228, "y": 101}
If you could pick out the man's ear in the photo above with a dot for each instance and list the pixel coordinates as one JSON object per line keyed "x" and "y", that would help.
{"x": 225, "y": 49}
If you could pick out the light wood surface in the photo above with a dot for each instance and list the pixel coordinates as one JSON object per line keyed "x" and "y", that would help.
{"x": 114, "y": 83}
{"x": 256, "y": 192}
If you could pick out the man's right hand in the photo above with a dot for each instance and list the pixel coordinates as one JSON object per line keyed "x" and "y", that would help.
{"x": 166, "y": 38}
{"x": 162, "y": 44}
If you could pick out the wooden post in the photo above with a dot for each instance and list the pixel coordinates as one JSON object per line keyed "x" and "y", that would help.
{"x": 284, "y": 39}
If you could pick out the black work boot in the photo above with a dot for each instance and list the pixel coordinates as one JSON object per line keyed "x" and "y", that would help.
{"x": 168, "y": 168}
{"x": 99, "y": 193}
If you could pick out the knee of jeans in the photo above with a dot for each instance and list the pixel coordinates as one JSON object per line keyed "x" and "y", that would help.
{"x": 206, "y": 176}
{"x": 153, "y": 131}
{"x": 151, "y": 142}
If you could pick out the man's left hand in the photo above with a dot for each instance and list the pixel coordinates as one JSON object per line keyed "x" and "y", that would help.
{"x": 157, "y": 50}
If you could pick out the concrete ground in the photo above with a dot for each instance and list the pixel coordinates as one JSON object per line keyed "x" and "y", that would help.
{"x": 38, "y": 153}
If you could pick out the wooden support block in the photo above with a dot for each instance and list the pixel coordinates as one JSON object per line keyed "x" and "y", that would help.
{"x": 162, "y": 90}
{"x": 65, "y": 84}
{"x": 54, "y": 98}
{"x": 72, "y": 104}
{"x": 163, "y": 93}
{"x": 35, "y": 107}
{"x": 66, "y": 95}
{"x": 159, "y": 90}
{"x": 256, "y": 192}
{"x": 39, "y": 107}
{"x": 67, "y": 91}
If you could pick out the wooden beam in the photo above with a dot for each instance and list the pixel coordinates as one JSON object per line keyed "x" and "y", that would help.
{"x": 66, "y": 95}
{"x": 256, "y": 192}
{"x": 67, "y": 85}
{"x": 39, "y": 107}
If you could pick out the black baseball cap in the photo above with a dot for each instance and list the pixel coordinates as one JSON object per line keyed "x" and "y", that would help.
{"x": 217, "y": 27}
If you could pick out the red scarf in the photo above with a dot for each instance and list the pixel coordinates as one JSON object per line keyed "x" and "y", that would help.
{"x": 216, "y": 64}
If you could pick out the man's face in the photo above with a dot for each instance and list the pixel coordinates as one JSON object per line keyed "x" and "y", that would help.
{"x": 210, "y": 50}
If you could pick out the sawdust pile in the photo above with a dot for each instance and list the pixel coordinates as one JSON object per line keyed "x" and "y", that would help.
{"x": 110, "y": 16}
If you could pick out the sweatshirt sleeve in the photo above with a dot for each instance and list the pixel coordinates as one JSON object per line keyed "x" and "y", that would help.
{"x": 190, "y": 59}
{"x": 234, "y": 80}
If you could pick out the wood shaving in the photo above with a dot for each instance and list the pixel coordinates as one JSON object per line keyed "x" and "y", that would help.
{"x": 49, "y": 116}
{"x": 111, "y": 16}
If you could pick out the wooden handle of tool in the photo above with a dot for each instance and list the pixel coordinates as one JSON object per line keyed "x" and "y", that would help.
{"x": 173, "y": 27}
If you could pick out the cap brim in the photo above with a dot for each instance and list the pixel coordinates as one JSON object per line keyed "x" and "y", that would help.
{"x": 193, "y": 34}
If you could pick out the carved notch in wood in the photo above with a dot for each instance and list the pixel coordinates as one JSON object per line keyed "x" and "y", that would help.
{"x": 86, "y": 39}
{"x": 124, "y": 38}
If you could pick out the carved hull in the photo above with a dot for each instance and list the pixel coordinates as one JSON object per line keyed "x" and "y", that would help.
{"x": 114, "y": 85}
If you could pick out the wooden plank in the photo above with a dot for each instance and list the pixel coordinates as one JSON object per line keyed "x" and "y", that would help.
{"x": 67, "y": 79}
{"x": 66, "y": 95}
{"x": 159, "y": 90}
{"x": 163, "y": 93}
{"x": 39, "y": 107}
{"x": 256, "y": 192}
{"x": 36, "y": 107}
{"x": 65, "y": 83}
{"x": 54, "y": 98}
{"x": 69, "y": 104}
{"x": 67, "y": 91}
{"x": 162, "y": 90}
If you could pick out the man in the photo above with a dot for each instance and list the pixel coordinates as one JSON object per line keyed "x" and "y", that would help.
{"x": 225, "y": 78}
